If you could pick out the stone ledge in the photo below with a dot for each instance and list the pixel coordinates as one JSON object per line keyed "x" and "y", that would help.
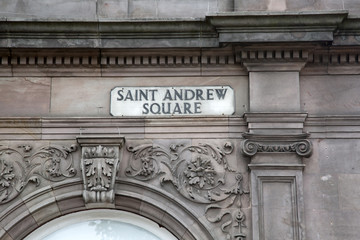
{"x": 235, "y": 27}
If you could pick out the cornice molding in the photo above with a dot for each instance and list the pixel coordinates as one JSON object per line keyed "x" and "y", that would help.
{"x": 265, "y": 26}
{"x": 211, "y": 31}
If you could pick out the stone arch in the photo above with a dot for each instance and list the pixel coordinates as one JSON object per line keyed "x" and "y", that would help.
{"x": 36, "y": 208}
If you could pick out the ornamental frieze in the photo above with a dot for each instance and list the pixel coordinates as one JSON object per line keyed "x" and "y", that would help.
{"x": 23, "y": 165}
{"x": 201, "y": 174}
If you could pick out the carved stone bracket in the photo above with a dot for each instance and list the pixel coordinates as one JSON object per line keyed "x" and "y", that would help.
{"x": 279, "y": 144}
{"x": 200, "y": 173}
{"x": 23, "y": 164}
{"x": 99, "y": 164}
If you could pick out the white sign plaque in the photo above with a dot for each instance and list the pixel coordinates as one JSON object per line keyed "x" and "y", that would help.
{"x": 157, "y": 101}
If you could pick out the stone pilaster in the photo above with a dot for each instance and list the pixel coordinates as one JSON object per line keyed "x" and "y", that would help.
{"x": 275, "y": 142}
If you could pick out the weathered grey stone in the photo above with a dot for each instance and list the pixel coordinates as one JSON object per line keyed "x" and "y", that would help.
{"x": 353, "y": 7}
{"x": 331, "y": 156}
{"x": 332, "y": 94}
{"x": 287, "y": 5}
{"x": 274, "y": 91}
{"x": 321, "y": 192}
{"x": 113, "y": 9}
{"x": 49, "y": 9}
{"x": 349, "y": 196}
{"x": 24, "y": 96}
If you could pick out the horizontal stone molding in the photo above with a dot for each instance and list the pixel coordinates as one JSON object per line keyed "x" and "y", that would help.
{"x": 232, "y": 60}
{"x": 210, "y": 31}
{"x": 168, "y": 127}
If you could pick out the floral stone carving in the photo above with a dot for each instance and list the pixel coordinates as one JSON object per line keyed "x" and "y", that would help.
{"x": 23, "y": 165}
{"x": 201, "y": 174}
{"x": 99, "y": 165}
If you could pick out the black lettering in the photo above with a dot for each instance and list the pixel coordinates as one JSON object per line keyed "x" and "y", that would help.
{"x": 164, "y": 111}
{"x": 121, "y": 97}
{"x": 129, "y": 96}
{"x": 158, "y": 111}
{"x": 153, "y": 94}
{"x": 187, "y": 107}
{"x": 197, "y": 107}
{"x": 146, "y": 109}
{"x": 210, "y": 93}
{"x": 220, "y": 93}
{"x": 199, "y": 93}
{"x": 177, "y": 109}
{"x": 178, "y": 95}
{"x": 144, "y": 95}
{"x": 187, "y": 97}
{"x": 167, "y": 96}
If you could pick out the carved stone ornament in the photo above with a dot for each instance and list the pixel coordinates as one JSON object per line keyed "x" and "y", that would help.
{"x": 23, "y": 165}
{"x": 201, "y": 174}
{"x": 99, "y": 165}
{"x": 301, "y": 147}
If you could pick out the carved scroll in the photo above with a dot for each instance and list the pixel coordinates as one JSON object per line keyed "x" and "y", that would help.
{"x": 302, "y": 148}
{"x": 23, "y": 165}
{"x": 200, "y": 173}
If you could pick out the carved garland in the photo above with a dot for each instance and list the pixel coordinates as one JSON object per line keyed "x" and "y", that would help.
{"x": 18, "y": 168}
{"x": 200, "y": 174}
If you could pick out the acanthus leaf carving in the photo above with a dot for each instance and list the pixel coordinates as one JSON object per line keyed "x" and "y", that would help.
{"x": 201, "y": 173}
{"x": 99, "y": 164}
{"x": 19, "y": 168}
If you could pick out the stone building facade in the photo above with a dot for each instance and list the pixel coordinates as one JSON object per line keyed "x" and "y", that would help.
{"x": 284, "y": 165}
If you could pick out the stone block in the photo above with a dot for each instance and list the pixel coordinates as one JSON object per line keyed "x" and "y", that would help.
{"x": 321, "y": 192}
{"x": 24, "y": 97}
{"x": 330, "y": 94}
{"x": 320, "y": 225}
{"x": 333, "y": 225}
{"x": 186, "y": 8}
{"x": 49, "y": 9}
{"x": 71, "y": 205}
{"x": 23, "y": 228}
{"x": 353, "y": 6}
{"x": 339, "y": 156}
{"x": 6, "y": 236}
{"x": 143, "y": 8}
{"x": 46, "y": 213}
{"x": 113, "y": 9}
{"x": 244, "y": 5}
{"x": 349, "y": 191}
{"x": 274, "y": 91}
{"x": 128, "y": 204}
{"x": 287, "y": 5}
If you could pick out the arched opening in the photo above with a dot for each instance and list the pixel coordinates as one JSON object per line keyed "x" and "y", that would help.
{"x": 101, "y": 224}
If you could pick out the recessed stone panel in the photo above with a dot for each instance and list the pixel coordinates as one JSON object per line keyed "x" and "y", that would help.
{"x": 274, "y": 91}
{"x": 91, "y": 96}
